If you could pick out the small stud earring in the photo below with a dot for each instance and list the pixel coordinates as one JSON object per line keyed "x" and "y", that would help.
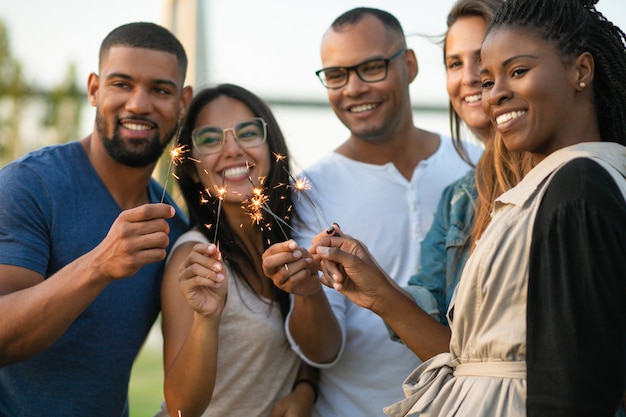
{"x": 582, "y": 84}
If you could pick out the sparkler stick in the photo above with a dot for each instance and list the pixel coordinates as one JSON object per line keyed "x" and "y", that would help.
{"x": 220, "y": 196}
{"x": 302, "y": 184}
{"x": 176, "y": 158}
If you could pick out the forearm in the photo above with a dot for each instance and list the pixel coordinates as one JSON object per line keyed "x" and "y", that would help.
{"x": 424, "y": 335}
{"x": 190, "y": 379}
{"x": 36, "y": 312}
{"x": 314, "y": 327}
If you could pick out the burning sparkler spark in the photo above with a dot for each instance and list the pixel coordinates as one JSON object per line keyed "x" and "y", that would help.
{"x": 302, "y": 184}
{"x": 221, "y": 191}
{"x": 257, "y": 204}
{"x": 177, "y": 157}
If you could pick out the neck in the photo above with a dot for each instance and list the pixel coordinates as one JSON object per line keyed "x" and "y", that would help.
{"x": 127, "y": 185}
{"x": 405, "y": 149}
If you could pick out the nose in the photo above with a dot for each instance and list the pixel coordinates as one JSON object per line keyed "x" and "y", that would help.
{"x": 471, "y": 75}
{"x": 354, "y": 86}
{"x": 231, "y": 146}
{"x": 139, "y": 101}
{"x": 497, "y": 93}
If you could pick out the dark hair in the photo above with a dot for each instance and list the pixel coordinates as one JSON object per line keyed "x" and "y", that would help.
{"x": 148, "y": 36}
{"x": 203, "y": 208}
{"x": 354, "y": 16}
{"x": 574, "y": 27}
{"x": 484, "y": 9}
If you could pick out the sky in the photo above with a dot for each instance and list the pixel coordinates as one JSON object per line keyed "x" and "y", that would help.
{"x": 268, "y": 46}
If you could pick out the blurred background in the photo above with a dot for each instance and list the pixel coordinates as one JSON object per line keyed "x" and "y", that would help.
{"x": 48, "y": 49}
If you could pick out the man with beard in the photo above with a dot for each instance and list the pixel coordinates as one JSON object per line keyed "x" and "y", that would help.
{"x": 382, "y": 185}
{"x": 83, "y": 237}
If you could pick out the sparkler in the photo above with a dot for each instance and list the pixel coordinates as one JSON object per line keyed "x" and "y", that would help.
{"x": 302, "y": 184}
{"x": 176, "y": 158}
{"x": 257, "y": 204}
{"x": 221, "y": 191}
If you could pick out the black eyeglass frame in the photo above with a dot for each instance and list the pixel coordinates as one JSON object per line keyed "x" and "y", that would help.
{"x": 355, "y": 68}
{"x": 233, "y": 129}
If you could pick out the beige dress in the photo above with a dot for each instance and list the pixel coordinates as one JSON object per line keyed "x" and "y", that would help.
{"x": 485, "y": 372}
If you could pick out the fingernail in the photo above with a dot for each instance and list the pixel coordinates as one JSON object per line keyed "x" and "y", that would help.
{"x": 323, "y": 250}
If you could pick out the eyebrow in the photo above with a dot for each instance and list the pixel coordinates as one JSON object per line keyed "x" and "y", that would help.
{"x": 129, "y": 78}
{"x": 509, "y": 60}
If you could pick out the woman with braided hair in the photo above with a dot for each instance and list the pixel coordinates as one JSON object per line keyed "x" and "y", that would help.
{"x": 538, "y": 320}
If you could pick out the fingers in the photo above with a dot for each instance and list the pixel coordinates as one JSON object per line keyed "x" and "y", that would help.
{"x": 149, "y": 212}
{"x": 203, "y": 266}
{"x": 284, "y": 257}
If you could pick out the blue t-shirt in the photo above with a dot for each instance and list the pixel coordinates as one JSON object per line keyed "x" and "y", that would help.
{"x": 53, "y": 209}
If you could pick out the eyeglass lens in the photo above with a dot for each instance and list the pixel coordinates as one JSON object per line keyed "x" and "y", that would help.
{"x": 370, "y": 71}
{"x": 211, "y": 139}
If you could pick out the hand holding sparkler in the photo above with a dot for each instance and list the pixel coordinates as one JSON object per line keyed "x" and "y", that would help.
{"x": 349, "y": 268}
{"x": 299, "y": 277}
{"x": 203, "y": 280}
{"x": 137, "y": 237}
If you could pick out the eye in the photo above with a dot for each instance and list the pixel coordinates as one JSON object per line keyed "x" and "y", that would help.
{"x": 518, "y": 72}
{"x": 121, "y": 84}
{"x": 486, "y": 84}
{"x": 249, "y": 131}
{"x": 207, "y": 137}
{"x": 372, "y": 67}
{"x": 161, "y": 91}
{"x": 334, "y": 74}
{"x": 454, "y": 64}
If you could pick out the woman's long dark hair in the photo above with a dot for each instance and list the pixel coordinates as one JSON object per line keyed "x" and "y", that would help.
{"x": 202, "y": 208}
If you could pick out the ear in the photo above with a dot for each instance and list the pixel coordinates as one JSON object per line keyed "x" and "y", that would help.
{"x": 185, "y": 98}
{"x": 93, "y": 84}
{"x": 584, "y": 67}
{"x": 413, "y": 67}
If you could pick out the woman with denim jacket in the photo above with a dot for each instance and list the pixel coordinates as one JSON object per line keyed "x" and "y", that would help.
{"x": 446, "y": 246}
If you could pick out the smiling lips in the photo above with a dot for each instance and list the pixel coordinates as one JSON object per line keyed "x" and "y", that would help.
{"x": 135, "y": 126}
{"x": 235, "y": 172}
{"x": 503, "y": 118}
{"x": 362, "y": 108}
{"x": 473, "y": 99}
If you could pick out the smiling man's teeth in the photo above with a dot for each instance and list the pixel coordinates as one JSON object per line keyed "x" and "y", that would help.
{"x": 473, "y": 99}
{"x": 362, "y": 108}
{"x": 135, "y": 126}
{"x": 235, "y": 172}
{"x": 509, "y": 116}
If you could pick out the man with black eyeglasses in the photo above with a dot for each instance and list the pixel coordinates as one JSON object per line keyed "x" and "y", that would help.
{"x": 382, "y": 186}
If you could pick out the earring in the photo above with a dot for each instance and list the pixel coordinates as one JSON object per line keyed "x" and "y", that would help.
{"x": 582, "y": 84}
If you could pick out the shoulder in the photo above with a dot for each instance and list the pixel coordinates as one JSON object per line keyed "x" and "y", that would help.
{"x": 582, "y": 184}
{"x": 448, "y": 152}
{"x": 581, "y": 179}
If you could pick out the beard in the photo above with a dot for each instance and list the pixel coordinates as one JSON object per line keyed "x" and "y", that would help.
{"x": 135, "y": 153}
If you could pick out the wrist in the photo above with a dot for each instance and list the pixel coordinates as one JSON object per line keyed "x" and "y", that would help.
{"x": 312, "y": 385}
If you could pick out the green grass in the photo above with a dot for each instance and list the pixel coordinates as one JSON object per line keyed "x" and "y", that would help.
{"x": 146, "y": 380}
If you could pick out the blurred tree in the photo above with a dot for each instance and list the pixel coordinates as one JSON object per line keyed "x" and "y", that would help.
{"x": 56, "y": 112}
{"x": 64, "y": 106}
{"x": 13, "y": 93}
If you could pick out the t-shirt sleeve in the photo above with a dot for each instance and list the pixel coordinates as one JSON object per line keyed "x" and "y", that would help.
{"x": 576, "y": 315}
{"x": 25, "y": 210}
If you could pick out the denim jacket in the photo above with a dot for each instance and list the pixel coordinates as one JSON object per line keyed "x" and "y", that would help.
{"x": 444, "y": 249}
